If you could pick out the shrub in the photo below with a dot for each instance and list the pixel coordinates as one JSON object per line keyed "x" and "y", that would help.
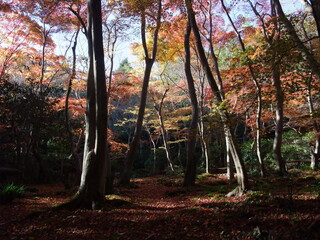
{"x": 9, "y": 192}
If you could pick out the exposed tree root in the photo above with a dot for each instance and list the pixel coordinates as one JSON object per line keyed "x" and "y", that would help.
{"x": 78, "y": 202}
{"x": 238, "y": 191}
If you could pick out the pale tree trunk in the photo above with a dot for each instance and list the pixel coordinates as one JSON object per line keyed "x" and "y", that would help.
{"x": 204, "y": 143}
{"x": 242, "y": 177}
{"x": 277, "y": 143}
{"x": 230, "y": 170}
{"x": 259, "y": 97}
{"x": 219, "y": 83}
{"x": 191, "y": 166}
{"x": 163, "y": 129}
{"x": 315, "y": 150}
{"x": 154, "y": 150}
{"x": 278, "y": 139}
{"x": 272, "y": 40}
{"x": 165, "y": 141}
{"x": 133, "y": 147}
{"x": 201, "y": 126}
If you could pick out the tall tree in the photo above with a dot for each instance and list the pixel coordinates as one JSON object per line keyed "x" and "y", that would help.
{"x": 315, "y": 5}
{"x": 273, "y": 38}
{"x": 259, "y": 93}
{"x": 93, "y": 179}
{"x": 242, "y": 177}
{"x": 191, "y": 165}
{"x": 149, "y": 61}
{"x": 159, "y": 109}
{"x": 308, "y": 55}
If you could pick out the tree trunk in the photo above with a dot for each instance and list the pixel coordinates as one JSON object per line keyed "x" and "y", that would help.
{"x": 310, "y": 59}
{"x": 315, "y": 5}
{"x": 154, "y": 151}
{"x": 203, "y": 139}
{"x": 315, "y": 150}
{"x": 92, "y": 187}
{"x": 133, "y": 147}
{"x": 204, "y": 144}
{"x": 241, "y": 172}
{"x": 230, "y": 170}
{"x": 73, "y": 156}
{"x": 191, "y": 166}
{"x": 259, "y": 97}
{"x": 165, "y": 140}
{"x": 164, "y": 134}
{"x": 277, "y": 144}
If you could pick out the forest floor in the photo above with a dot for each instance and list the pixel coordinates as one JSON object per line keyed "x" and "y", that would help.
{"x": 158, "y": 208}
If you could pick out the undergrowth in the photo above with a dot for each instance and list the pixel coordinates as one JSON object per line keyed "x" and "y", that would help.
{"x": 10, "y": 192}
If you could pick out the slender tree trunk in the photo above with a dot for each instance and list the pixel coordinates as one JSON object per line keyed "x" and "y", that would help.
{"x": 204, "y": 144}
{"x": 201, "y": 126}
{"x": 315, "y": 150}
{"x": 44, "y": 43}
{"x": 69, "y": 89}
{"x": 154, "y": 151}
{"x": 73, "y": 156}
{"x": 165, "y": 139}
{"x": 163, "y": 129}
{"x": 315, "y": 5}
{"x": 90, "y": 116}
{"x": 191, "y": 166}
{"x": 242, "y": 177}
{"x": 133, "y": 147}
{"x": 277, "y": 144}
{"x": 259, "y": 97}
{"x": 312, "y": 61}
{"x": 109, "y": 180}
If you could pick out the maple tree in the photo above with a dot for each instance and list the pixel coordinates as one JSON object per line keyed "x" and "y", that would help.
{"x": 259, "y": 95}
{"x": 149, "y": 61}
{"x": 215, "y": 80}
{"x": 240, "y": 168}
{"x": 191, "y": 167}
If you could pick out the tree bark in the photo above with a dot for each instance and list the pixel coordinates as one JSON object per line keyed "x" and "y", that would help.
{"x": 163, "y": 129}
{"x": 240, "y": 168}
{"x": 92, "y": 187}
{"x": 315, "y": 5}
{"x": 312, "y": 61}
{"x": 259, "y": 94}
{"x": 272, "y": 40}
{"x": 149, "y": 61}
{"x": 315, "y": 150}
{"x": 277, "y": 143}
{"x": 191, "y": 166}
{"x": 73, "y": 156}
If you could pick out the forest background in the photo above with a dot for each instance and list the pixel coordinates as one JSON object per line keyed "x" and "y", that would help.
{"x": 251, "y": 105}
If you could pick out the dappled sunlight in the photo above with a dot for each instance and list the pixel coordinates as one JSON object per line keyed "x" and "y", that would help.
{"x": 152, "y": 210}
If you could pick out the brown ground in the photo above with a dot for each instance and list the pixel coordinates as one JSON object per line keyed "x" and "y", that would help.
{"x": 157, "y": 208}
